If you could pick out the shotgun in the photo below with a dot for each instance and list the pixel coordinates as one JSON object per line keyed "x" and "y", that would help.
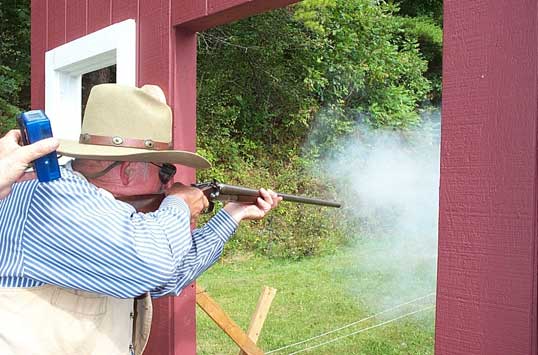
{"x": 216, "y": 191}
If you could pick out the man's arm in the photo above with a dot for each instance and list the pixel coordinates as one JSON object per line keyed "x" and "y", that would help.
{"x": 207, "y": 246}
{"x": 76, "y": 237}
{"x": 208, "y": 241}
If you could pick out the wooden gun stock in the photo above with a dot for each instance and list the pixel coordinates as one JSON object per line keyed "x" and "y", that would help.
{"x": 144, "y": 203}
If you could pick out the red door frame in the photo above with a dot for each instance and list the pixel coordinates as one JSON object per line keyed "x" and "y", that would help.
{"x": 487, "y": 274}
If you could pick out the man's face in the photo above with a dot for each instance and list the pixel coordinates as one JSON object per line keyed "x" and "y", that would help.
{"x": 126, "y": 179}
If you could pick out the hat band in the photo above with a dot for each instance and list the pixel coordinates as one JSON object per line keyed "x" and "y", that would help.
{"x": 117, "y": 141}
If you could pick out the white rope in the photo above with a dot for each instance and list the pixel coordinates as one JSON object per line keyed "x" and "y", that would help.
{"x": 352, "y": 324}
{"x": 362, "y": 330}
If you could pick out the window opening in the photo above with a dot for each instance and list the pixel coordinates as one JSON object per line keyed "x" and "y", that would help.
{"x": 96, "y": 77}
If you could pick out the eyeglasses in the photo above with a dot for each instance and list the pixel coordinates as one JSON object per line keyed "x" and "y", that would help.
{"x": 166, "y": 172}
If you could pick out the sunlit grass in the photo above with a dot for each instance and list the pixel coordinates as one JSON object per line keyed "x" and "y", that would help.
{"x": 314, "y": 296}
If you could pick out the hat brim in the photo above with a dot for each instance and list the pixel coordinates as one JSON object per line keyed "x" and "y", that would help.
{"x": 103, "y": 152}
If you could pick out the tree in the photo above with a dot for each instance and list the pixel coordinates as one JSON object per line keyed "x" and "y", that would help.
{"x": 14, "y": 60}
{"x": 369, "y": 64}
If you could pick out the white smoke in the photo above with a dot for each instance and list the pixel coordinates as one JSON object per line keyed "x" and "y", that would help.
{"x": 389, "y": 183}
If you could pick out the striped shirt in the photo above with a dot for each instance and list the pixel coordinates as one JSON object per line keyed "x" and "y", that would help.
{"x": 72, "y": 234}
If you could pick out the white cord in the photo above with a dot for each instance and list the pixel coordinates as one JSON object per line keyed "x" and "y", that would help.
{"x": 351, "y": 324}
{"x": 362, "y": 330}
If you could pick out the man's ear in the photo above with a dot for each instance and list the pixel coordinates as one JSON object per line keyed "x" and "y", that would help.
{"x": 126, "y": 173}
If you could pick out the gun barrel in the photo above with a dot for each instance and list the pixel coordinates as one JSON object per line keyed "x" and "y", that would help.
{"x": 239, "y": 193}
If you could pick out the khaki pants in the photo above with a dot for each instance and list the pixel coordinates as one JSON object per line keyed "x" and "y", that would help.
{"x": 52, "y": 320}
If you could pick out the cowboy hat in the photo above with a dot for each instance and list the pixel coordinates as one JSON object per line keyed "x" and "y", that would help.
{"x": 126, "y": 123}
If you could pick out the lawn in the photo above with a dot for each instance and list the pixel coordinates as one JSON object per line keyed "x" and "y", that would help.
{"x": 315, "y": 296}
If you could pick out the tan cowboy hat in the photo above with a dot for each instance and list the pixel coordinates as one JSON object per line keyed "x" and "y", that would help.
{"x": 126, "y": 123}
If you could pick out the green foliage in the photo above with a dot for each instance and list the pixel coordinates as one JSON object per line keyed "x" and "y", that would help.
{"x": 430, "y": 39}
{"x": 251, "y": 91}
{"x": 432, "y": 9}
{"x": 14, "y": 60}
{"x": 368, "y": 63}
{"x": 290, "y": 84}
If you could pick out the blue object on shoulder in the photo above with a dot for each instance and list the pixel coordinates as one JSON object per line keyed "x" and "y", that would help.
{"x": 35, "y": 126}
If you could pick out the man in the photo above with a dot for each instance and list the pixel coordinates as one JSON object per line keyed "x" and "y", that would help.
{"x": 14, "y": 159}
{"x": 73, "y": 258}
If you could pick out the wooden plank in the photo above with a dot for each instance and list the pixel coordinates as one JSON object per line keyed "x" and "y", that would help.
{"x": 487, "y": 268}
{"x": 161, "y": 327}
{"x": 215, "y": 6}
{"x": 184, "y": 92}
{"x": 155, "y": 38}
{"x": 56, "y": 23}
{"x": 183, "y": 333}
{"x": 38, "y": 46}
{"x": 225, "y": 11}
{"x": 76, "y": 17}
{"x": 99, "y": 14}
{"x": 260, "y": 314}
{"x": 187, "y": 10}
{"x": 215, "y": 312}
{"x": 173, "y": 327}
{"x": 124, "y": 10}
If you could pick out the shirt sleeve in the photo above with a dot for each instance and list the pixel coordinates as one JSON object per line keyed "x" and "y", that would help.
{"x": 77, "y": 237}
{"x": 207, "y": 246}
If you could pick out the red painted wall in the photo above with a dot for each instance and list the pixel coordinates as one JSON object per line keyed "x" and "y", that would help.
{"x": 487, "y": 275}
{"x": 166, "y": 56}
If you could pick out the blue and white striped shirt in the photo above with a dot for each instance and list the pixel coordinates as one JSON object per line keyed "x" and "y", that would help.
{"x": 72, "y": 234}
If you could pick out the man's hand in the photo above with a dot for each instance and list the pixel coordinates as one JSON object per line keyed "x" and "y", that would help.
{"x": 240, "y": 211}
{"x": 194, "y": 198}
{"x": 14, "y": 159}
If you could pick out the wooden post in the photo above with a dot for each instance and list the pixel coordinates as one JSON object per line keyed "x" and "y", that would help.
{"x": 260, "y": 314}
{"x": 215, "y": 312}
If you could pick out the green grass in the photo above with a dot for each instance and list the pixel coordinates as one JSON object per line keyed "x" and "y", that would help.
{"x": 314, "y": 296}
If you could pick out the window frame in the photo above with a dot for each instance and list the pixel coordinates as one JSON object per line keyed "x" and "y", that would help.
{"x": 65, "y": 65}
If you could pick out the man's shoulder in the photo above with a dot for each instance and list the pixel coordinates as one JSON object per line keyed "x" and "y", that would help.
{"x": 70, "y": 182}
{"x": 21, "y": 193}
{"x": 74, "y": 191}
{"x": 72, "y": 188}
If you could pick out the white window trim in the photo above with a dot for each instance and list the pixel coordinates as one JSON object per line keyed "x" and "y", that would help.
{"x": 65, "y": 65}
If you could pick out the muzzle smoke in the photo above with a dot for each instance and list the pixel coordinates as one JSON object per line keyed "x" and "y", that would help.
{"x": 389, "y": 183}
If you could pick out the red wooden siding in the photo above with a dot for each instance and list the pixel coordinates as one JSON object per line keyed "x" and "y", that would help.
{"x": 487, "y": 296}
{"x": 154, "y": 47}
{"x": 123, "y": 10}
{"x": 184, "y": 78}
{"x": 187, "y": 10}
{"x": 56, "y": 24}
{"x": 76, "y": 14}
{"x": 38, "y": 37}
{"x": 99, "y": 14}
